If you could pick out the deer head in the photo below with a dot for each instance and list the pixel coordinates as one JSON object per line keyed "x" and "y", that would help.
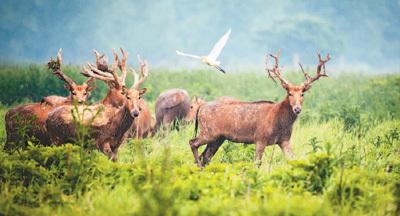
{"x": 130, "y": 97}
{"x": 295, "y": 93}
{"x": 79, "y": 93}
{"x": 194, "y": 106}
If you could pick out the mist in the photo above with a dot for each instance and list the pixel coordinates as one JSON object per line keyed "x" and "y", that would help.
{"x": 359, "y": 35}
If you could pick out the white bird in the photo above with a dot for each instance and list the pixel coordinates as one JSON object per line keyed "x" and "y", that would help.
{"x": 211, "y": 58}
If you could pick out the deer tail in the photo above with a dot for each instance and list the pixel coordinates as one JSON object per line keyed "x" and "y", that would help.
{"x": 196, "y": 122}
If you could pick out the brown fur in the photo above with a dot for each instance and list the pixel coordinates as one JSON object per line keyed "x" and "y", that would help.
{"x": 117, "y": 110}
{"x": 262, "y": 122}
{"x": 142, "y": 126}
{"x": 194, "y": 107}
{"x": 108, "y": 129}
{"x": 33, "y": 116}
{"x": 171, "y": 106}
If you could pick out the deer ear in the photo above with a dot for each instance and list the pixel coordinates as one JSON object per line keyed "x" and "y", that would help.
{"x": 142, "y": 91}
{"x": 195, "y": 98}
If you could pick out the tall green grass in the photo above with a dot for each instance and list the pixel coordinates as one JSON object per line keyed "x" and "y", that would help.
{"x": 347, "y": 147}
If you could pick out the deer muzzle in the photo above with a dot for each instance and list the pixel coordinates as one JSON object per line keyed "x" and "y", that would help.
{"x": 135, "y": 113}
{"x": 297, "y": 110}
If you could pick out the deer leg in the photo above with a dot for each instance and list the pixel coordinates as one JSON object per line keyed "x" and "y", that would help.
{"x": 159, "y": 119}
{"x": 194, "y": 145}
{"x": 168, "y": 119}
{"x": 114, "y": 155}
{"x": 106, "y": 148}
{"x": 210, "y": 150}
{"x": 287, "y": 149}
{"x": 259, "y": 152}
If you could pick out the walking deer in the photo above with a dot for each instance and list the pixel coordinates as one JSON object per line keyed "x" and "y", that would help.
{"x": 262, "y": 123}
{"x": 171, "y": 106}
{"x": 27, "y": 121}
{"x": 109, "y": 120}
{"x": 174, "y": 105}
{"x": 198, "y": 102}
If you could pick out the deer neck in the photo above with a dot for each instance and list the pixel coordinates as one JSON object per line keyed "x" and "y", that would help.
{"x": 285, "y": 115}
{"x": 113, "y": 98}
{"x": 123, "y": 121}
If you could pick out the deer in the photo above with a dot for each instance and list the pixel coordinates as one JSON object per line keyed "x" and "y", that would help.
{"x": 143, "y": 125}
{"x": 78, "y": 93}
{"x": 28, "y": 120}
{"x": 174, "y": 105}
{"x": 262, "y": 123}
{"x": 110, "y": 119}
{"x": 198, "y": 102}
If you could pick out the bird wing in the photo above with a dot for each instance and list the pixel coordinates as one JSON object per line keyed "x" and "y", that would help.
{"x": 216, "y": 50}
{"x": 188, "y": 55}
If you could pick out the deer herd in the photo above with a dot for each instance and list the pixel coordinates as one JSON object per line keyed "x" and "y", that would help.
{"x": 123, "y": 113}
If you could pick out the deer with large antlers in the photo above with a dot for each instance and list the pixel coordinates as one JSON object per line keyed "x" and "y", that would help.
{"x": 78, "y": 93}
{"x": 27, "y": 121}
{"x": 109, "y": 120}
{"x": 262, "y": 123}
{"x": 142, "y": 126}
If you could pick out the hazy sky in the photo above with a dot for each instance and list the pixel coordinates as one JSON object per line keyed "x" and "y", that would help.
{"x": 358, "y": 34}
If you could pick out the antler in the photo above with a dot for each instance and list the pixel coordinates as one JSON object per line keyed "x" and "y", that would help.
{"x": 122, "y": 65}
{"x": 55, "y": 65}
{"x": 101, "y": 61}
{"x": 144, "y": 71}
{"x": 275, "y": 71}
{"x": 321, "y": 65}
{"x": 102, "y": 72}
{"x": 114, "y": 72}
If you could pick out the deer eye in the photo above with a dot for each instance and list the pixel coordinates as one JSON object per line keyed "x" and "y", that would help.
{"x": 302, "y": 94}
{"x": 191, "y": 107}
{"x": 290, "y": 94}
{"x": 85, "y": 93}
{"x": 74, "y": 93}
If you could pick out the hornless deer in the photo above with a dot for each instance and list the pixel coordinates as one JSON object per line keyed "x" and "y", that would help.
{"x": 174, "y": 105}
{"x": 109, "y": 120}
{"x": 262, "y": 123}
{"x": 171, "y": 106}
{"x": 31, "y": 117}
{"x": 142, "y": 126}
{"x": 195, "y": 104}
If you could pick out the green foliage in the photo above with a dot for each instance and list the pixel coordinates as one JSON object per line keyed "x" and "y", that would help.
{"x": 306, "y": 175}
{"x": 346, "y": 145}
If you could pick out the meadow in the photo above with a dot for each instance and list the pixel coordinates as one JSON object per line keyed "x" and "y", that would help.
{"x": 346, "y": 144}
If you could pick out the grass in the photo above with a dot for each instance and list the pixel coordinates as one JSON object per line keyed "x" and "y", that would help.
{"x": 347, "y": 147}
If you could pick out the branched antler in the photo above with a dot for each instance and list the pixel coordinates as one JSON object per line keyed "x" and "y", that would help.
{"x": 144, "y": 71}
{"x": 102, "y": 72}
{"x": 55, "y": 66}
{"x": 275, "y": 71}
{"x": 321, "y": 65}
{"x": 101, "y": 61}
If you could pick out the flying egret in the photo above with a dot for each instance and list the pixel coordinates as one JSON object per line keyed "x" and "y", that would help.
{"x": 211, "y": 58}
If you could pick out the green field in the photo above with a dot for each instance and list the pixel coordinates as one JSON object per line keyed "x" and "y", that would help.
{"x": 346, "y": 145}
